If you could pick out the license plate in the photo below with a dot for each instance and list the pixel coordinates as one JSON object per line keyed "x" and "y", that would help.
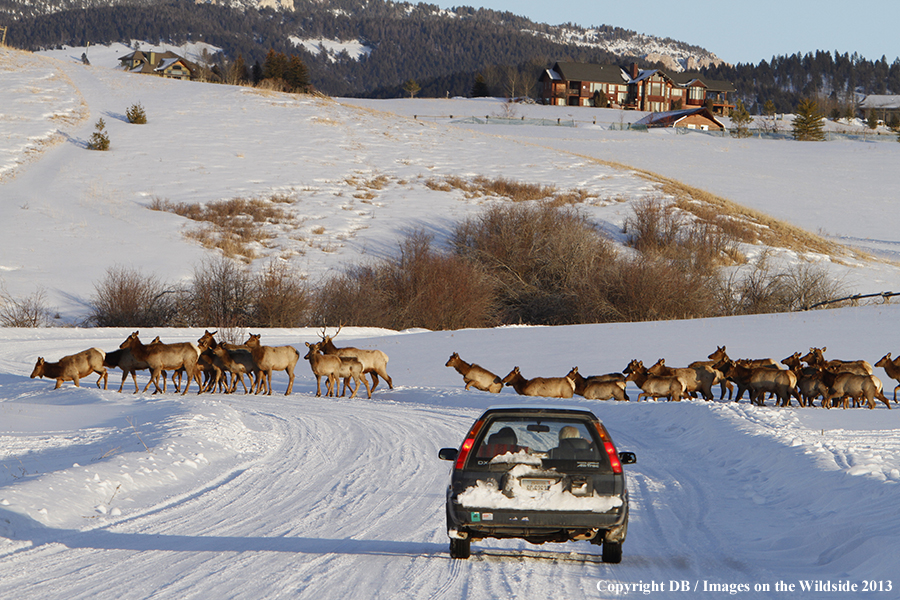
{"x": 537, "y": 485}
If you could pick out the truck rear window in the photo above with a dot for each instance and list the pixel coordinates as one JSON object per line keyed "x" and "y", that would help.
{"x": 567, "y": 443}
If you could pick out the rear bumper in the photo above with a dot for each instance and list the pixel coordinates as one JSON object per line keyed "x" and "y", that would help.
{"x": 536, "y": 526}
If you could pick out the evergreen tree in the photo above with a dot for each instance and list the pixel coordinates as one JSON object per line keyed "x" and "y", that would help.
{"x": 872, "y": 121}
{"x": 296, "y": 77}
{"x": 275, "y": 66}
{"x": 411, "y": 87}
{"x": 809, "y": 125}
{"x": 741, "y": 120}
{"x": 769, "y": 114}
{"x": 99, "y": 139}
{"x": 136, "y": 114}
{"x": 480, "y": 87}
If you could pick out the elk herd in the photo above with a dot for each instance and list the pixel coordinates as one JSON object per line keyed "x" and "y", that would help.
{"x": 804, "y": 378}
{"x": 219, "y": 367}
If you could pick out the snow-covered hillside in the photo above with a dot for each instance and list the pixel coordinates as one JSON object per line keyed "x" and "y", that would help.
{"x": 108, "y": 495}
{"x": 352, "y": 176}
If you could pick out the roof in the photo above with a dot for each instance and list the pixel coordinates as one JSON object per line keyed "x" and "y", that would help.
{"x": 538, "y": 406}
{"x": 590, "y": 72}
{"x": 648, "y": 73}
{"x": 165, "y": 64}
{"x": 880, "y": 101}
{"x": 685, "y": 79}
{"x": 672, "y": 117}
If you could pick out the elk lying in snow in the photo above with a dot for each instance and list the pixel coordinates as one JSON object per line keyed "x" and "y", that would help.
{"x": 816, "y": 358}
{"x": 73, "y": 367}
{"x": 549, "y": 387}
{"x": 696, "y": 379}
{"x": 671, "y": 388}
{"x": 273, "y": 358}
{"x": 334, "y": 368}
{"x": 166, "y": 356}
{"x": 374, "y": 361}
{"x": 892, "y": 368}
{"x": 598, "y": 387}
{"x": 475, "y": 375}
{"x": 858, "y": 387}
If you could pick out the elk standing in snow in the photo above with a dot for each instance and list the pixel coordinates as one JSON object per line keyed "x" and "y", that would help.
{"x": 73, "y": 367}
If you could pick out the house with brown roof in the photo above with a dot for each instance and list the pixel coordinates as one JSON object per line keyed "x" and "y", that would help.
{"x": 165, "y": 64}
{"x": 655, "y": 90}
{"x": 582, "y": 84}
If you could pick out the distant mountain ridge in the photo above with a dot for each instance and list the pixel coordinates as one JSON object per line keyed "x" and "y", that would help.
{"x": 340, "y": 21}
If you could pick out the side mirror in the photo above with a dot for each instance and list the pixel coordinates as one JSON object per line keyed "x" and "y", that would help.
{"x": 627, "y": 458}
{"x": 448, "y": 453}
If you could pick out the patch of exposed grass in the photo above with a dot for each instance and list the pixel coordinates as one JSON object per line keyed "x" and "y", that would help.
{"x": 232, "y": 226}
{"x": 515, "y": 191}
{"x": 743, "y": 223}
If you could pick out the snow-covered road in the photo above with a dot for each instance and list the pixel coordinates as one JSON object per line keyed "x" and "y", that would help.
{"x": 251, "y": 496}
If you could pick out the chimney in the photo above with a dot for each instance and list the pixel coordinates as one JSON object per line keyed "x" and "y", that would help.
{"x": 634, "y": 70}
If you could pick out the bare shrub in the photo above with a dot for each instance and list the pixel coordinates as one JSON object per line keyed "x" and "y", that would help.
{"x": 282, "y": 298}
{"x": 538, "y": 254}
{"x": 436, "y": 291}
{"x": 654, "y": 227}
{"x": 762, "y": 289}
{"x": 811, "y": 284}
{"x": 221, "y": 294}
{"x": 352, "y": 298}
{"x": 30, "y": 311}
{"x": 420, "y": 288}
{"x": 663, "y": 230}
{"x": 128, "y": 298}
{"x": 646, "y": 288}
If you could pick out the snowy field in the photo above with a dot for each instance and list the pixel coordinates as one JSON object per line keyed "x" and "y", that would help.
{"x": 108, "y": 495}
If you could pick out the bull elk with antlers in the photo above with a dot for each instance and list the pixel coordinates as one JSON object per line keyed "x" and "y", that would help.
{"x": 374, "y": 361}
{"x": 335, "y": 368}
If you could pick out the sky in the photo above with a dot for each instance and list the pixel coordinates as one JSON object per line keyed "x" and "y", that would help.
{"x": 735, "y": 32}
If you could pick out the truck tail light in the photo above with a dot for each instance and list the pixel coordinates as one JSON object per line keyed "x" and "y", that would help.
{"x": 610, "y": 449}
{"x": 467, "y": 445}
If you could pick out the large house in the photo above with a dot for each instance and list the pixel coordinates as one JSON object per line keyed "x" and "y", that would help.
{"x": 883, "y": 107}
{"x": 167, "y": 64}
{"x": 654, "y": 90}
